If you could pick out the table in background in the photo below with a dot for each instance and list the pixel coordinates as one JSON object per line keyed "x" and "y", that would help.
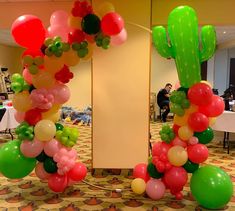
{"x": 225, "y": 123}
{"x": 8, "y": 121}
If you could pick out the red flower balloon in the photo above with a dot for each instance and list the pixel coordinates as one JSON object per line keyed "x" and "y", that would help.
{"x": 76, "y": 36}
{"x": 112, "y": 24}
{"x": 28, "y": 31}
{"x": 198, "y": 122}
{"x": 33, "y": 116}
{"x": 81, "y": 9}
{"x": 200, "y": 94}
{"x": 197, "y": 153}
{"x": 64, "y": 75}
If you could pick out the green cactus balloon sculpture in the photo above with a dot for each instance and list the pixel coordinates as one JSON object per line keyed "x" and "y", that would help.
{"x": 184, "y": 44}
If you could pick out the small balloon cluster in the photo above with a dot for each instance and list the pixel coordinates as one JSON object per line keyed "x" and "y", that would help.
{"x": 183, "y": 147}
{"x": 42, "y": 142}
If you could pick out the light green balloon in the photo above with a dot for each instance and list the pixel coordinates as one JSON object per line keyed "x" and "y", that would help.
{"x": 13, "y": 164}
{"x": 211, "y": 187}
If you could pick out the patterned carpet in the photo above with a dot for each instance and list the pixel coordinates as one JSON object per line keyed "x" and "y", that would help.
{"x": 32, "y": 194}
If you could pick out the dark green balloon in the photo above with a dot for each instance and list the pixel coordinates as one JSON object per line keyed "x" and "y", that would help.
{"x": 205, "y": 136}
{"x": 183, "y": 89}
{"x": 211, "y": 187}
{"x": 50, "y": 165}
{"x": 13, "y": 164}
{"x": 42, "y": 157}
{"x": 91, "y": 24}
{"x": 153, "y": 172}
{"x": 59, "y": 126}
{"x": 190, "y": 167}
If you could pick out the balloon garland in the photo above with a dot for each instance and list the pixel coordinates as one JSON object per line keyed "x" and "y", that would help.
{"x": 183, "y": 147}
{"x": 42, "y": 142}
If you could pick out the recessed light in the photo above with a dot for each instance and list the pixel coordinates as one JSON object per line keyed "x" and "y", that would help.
{"x": 224, "y": 32}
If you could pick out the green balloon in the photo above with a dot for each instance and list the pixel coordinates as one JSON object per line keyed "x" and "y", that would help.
{"x": 91, "y": 24}
{"x": 211, "y": 187}
{"x": 13, "y": 164}
{"x": 190, "y": 167}
{"x": 153, "y": 172}
{"x": 42, "y": 157}
{"x": 50, "y": 165}
{"x": 59, "y": 126}
{"x": 205, "y": 136}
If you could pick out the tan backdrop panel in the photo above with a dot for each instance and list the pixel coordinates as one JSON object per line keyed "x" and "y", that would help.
{"x": 120, "y": 93}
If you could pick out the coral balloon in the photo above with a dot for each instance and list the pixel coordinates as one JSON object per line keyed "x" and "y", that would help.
{"x": 138, "y": 186}
{"x": 33, "y": 116}
{"x": 31, "y": 149}
{"x": 119, "y": 39}
{"x": 197, "y": 153}
{"x": 57, "y": 183}
{"x": 140, "y": 171}
{"x": 27, "y": 76}
{"x": 45, "y": 130}
{"x": 177, "y": 156}
{"x": 198, "y": 121}
{"x": 178, "y": 142}
{"x": 155, "y": 189}
{"x": 19, "y": 116}
{"x": 28, "y": 31}
{"x": 112, "y": 24}
{"x": 78, "y": 172}
{"x": 40, "y": 172}
{"x": 200, "y": 94}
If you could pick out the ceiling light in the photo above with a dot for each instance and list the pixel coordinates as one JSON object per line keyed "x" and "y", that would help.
{"x": 224, "y": 32}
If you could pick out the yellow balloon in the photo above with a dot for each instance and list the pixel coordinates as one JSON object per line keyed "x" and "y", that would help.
{"x": 207, "y": 82}
{"x": 74, "y": 22}
{"x": 54, "y": 117}
{"x": 138, "y": 186}
{"x": 90, "y": 52}
{"x": 177, "y": 156}
{"x": 212, "y": 121}
{"x": 21, "y": 101}
{"x": 105, "y": 8}
{"x": 181, "y": 120}
{"x": 192, "y": 108}
{"x": 185, "y": 133}
{"x": 44, "y": 130}
{"x": 55, "y": 108}
{"x": 71, "y": 58}
{"x": 43, "y": 79}
{"x": 53, "y": 64}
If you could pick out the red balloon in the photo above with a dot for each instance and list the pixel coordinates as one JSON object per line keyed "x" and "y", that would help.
{"x": 76, "y": 36}
{"x": 57, "y": 183}
{"x": 33, "y": 116}
{"x": 33, "y": 53}
{"x": 140, "y": 171}
{"x": 78, "y": 172}
{"x": 175, "y": 178}
{"x": 197, "y": 153}
{"x": 112, "y": 24}
{"x": 198, "y": 121}
{"x": 160, "y": 166}
{"x": 200, "y": 94}
{"x": 160, "y": 148}
{"x": 215, "y": 108}
{"x": 28, "y": 31}
{"x": 175, "y": 128}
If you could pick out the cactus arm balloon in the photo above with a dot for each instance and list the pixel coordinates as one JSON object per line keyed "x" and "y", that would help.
{"x": 161, "y": 43}
{"x": 208, "y": 39}
{"x": 184, "y": 44}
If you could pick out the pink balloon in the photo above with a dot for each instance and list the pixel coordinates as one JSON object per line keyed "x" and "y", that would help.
{"x": 19, "y": 116}
{"x": 57, "y": 183}
{"x": 61, "y": 93}
{"x": 155, "y": 189}
{"x": 52, "y": 147}
{"x": 58, "y": 30}
{"x": 27, "y": 76}
{"x": 178, "y": 142}
{"x": 160, "y": 148}
{"x": 177, "y": 85}
{"x": 31, "y": 149}
{"x": 140, "y": 171}
{"x": 193, "y": 140}
{"x": 119, "y": 38}
{"x": 59, "y": 17}
{"x": 40, "y": 172}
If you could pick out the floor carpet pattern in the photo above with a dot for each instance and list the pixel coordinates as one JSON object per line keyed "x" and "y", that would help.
{"x": 30, "y": 193}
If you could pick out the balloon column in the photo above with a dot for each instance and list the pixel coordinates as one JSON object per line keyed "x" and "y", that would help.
{"x": 42, "y": 142}
{"x": 183, "y": 147}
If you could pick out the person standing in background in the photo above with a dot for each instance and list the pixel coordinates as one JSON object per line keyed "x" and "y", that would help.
{"x": 163, "y": 100}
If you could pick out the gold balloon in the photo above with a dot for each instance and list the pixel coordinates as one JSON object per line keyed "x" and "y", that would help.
{"x": 207, "y": 82}
{"x": 185, "y": 133}
{"x": 138, "y": 186}
{"x": 212, "y": 121}
{"x": 105, "y": 8}
{"x": 21, "y": 101}
{"x": 181, "y": 120}
{"x": 192, "y": 108}
{"x": 53, "y": 64}
{"x": 71, "y": 58}
{"x": 74, "y": 22}
{"x": 43, "y": 79}
{"x": 54, "y": 117}
{"x": 177, "y": 156}
{"x": 44, "y": 130}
